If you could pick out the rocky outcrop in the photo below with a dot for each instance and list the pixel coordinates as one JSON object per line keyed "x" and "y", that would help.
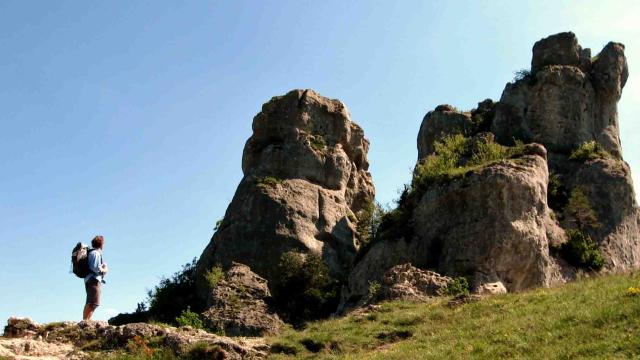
{"x": 570, "y": 99}
{"x": 407, "y": 282}
{"x": 567, "y": 99}
{"x": 442, "y": 121}
{"x": 237, "y": 306}
{"x": 607, "y": 184}
{"x": 84, "y": 340}
{"x": 492, "y": 225}
{"x": 305, "y": 184}
{"x": 29, "y": 349}
{"x": 446, "y": 120}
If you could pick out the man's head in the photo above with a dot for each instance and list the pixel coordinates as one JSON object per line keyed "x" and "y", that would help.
{"x": 97, "y": 242}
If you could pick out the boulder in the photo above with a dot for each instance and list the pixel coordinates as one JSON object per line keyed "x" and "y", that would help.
{"x": 305, "y": 184}
{"x": 558, "y": 49}
{"x": 21, "y": 327}
{"x": 407, "y": 282}
{"x": 444, "y": 120}
{"x": 237, "y": 305}
{"x": 493, "y": 288}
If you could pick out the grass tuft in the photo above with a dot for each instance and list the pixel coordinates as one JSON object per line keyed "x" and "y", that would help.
{"x": 589, "y": 151}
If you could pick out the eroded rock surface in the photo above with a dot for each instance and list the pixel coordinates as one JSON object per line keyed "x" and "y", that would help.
{"x": 563, "y": 102}
{"x": 495, "y": 225}
{"x": 492, "y": 225}
{"x": 410, "y": 283}
{"x": 238, "y": 306}
{"x": 305, "y": 184}
{"x": 71, "y": 340}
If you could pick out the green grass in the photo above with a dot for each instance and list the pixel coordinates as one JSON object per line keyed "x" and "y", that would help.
{"x": 589, "y": 151}
{"x": 591, "y": 318}
{"x": 447, "y": 164}
{"x": 268, "y": 182}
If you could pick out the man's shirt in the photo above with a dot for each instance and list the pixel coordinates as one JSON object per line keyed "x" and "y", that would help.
{"x": 94, "y": 259}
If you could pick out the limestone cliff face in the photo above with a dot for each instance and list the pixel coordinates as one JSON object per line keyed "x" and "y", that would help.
{"x": 495, "y": 224}
{"x": 492, "y": 225}
{"x": 567, "y": 99}
{"x": 305, "y": 183}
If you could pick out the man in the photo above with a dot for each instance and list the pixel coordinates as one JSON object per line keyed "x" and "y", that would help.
{"x": 93, "y": 282}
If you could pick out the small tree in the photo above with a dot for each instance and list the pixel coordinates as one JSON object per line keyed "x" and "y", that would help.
{"x": 306, "y": 290}
{"x": 580, "y": 212}
{"x": 369, "y": 221}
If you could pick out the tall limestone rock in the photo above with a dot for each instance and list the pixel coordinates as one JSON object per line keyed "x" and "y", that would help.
{"x": 568, "y": 99}
{"x": 305, "y": 184}
{"x": 496, "y": 223}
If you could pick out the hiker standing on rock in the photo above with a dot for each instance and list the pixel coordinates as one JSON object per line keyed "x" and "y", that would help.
{"x": 93, "y": 282}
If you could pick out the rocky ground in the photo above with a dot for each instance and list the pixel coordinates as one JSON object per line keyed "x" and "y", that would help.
{"x": 25, "y": 339}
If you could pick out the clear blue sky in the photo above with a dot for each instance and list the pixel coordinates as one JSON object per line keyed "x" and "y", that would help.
{"x": 128, "y": 119}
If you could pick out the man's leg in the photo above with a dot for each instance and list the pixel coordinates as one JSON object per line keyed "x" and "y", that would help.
{"x": 88, "y": 311}
{"x": 93, "y": 298}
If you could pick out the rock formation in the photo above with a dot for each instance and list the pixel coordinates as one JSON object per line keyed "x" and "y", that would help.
{"x": 495, "y": 224}
{"x": 25, "y": 339}
{"x": 237, "y": 305}
{"x": 305, "y": 185}
{"x": 568, "y": 99}
{"x": 407, "y": 282}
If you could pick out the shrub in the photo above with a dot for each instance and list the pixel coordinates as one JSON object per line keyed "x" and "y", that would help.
{"x": 459, "y": 286}
{"x": 213, "y": 276}
{"x": 368, "y": 222}
{"x": 521, "y": 75}
{"x": 317, "y": 142}
{"x": 218, "y": 224}
{"x": 189, "y": 318}
{"x": 394, "y": 224}
{"x": 139, "y": 346}
{"x": 581, "y": 251}
{"x": 374, "y": 289}
{"x": 589, "y": 151}
{"x": 268, "y": 182}
{"x": 456, "y": 155}
{"x": 443, "y": 163}
{"x": 557, "y": 197}
{"x": 305, "y": 290}
{"x": 204, "y": 350}
{"x": 488, "y": 151}
{"x": 172, "y": 295}
{"x": 580, "y": 212}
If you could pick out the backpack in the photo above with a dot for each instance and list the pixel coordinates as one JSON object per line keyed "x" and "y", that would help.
{"x": 80, "y": 260}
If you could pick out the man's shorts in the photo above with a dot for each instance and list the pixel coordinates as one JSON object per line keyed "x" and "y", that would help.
{"x": 93, "y": 292}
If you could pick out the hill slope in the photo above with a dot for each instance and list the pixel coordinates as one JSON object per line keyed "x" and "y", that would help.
{"x": 591, "y": 318}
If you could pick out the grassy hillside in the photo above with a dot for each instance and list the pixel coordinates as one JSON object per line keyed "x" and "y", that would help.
{"x": 591, "y": 318}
